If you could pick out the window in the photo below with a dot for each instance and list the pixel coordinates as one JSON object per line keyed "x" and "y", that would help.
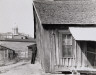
{"x": 66, "y": 45}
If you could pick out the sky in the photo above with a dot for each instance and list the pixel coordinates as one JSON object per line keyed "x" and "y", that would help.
{"x": 16, "y": 13}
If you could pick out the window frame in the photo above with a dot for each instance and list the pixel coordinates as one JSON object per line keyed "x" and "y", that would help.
{"x": 66, "y": 32}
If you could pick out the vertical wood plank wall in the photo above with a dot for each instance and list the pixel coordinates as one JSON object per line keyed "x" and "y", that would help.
{"x": 40, "y": 51}
{"x": 44, "y": 45}
{"x": 53, "y": 50}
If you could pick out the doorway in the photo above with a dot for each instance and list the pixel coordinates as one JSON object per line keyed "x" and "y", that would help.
{"x": 91, "y": 53}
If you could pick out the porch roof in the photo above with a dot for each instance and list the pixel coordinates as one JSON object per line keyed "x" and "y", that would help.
{"x": 66, "y": 12}
{"x": 83, "y": 34}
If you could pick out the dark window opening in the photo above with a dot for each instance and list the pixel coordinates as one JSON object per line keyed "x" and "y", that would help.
{"x": 91, "y": 53}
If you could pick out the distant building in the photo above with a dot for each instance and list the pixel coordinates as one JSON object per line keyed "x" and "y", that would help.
{"x": 14, "y": 35}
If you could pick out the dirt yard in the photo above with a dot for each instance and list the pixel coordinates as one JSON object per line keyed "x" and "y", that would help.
{"x": 22, "y": 68}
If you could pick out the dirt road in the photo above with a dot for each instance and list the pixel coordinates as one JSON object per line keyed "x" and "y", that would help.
{"x": 22, "y": 68}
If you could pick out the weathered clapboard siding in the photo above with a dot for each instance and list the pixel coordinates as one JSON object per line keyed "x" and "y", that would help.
{"x": 43, "y": 45}
{"x": 53, "y": 51}
{"x": 46, "y": 45}
{"x": 40, "y": 51}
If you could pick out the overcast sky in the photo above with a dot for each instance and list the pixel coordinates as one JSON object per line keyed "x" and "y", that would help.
{"x": 16, "y": 13}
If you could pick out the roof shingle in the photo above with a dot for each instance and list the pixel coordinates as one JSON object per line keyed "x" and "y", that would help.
{"x": 66, "y": 12}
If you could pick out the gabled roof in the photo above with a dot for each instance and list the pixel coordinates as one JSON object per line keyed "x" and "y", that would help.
{"x": 17, "y": 46}
{"x": 66, "y": 12}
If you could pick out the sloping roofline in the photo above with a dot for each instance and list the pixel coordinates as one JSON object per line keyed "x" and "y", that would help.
{"x": 66, "y": 12}
{"x": 7, "y": 47}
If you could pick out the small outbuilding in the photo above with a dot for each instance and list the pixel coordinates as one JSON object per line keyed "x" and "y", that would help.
{"x": 6, "y": 54}
{"x": 20, "y": 48}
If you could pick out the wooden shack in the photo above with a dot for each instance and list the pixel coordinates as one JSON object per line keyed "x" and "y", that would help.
{"x": 20, "y": 48}
{"x": 6, "y": 54}
{"x": 66, "y": 36}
